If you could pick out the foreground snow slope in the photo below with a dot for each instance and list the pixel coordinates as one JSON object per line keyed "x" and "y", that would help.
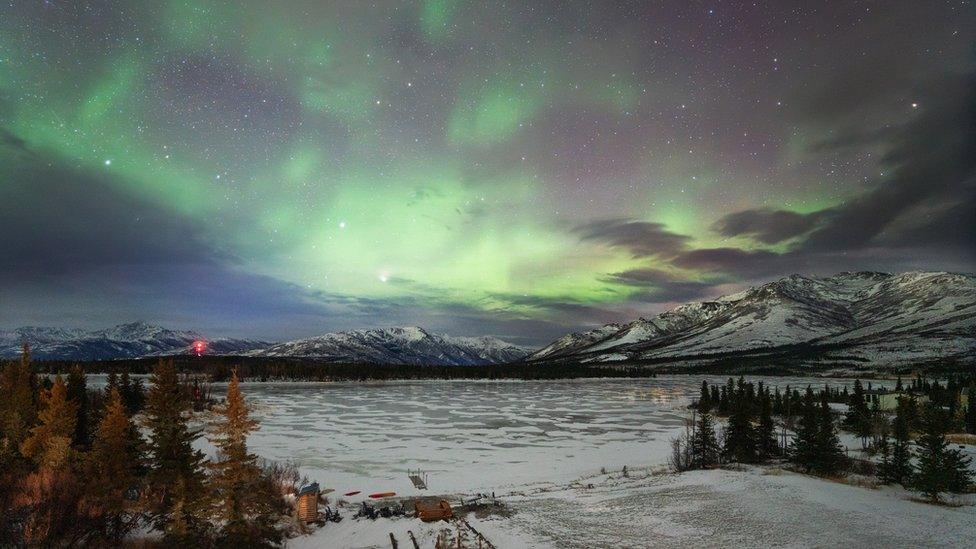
{"x": 754, "y": 507}
{"x": 872, "y": 318}
{"x": 720, "y": 508}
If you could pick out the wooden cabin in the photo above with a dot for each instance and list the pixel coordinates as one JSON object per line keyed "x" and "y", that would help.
{"x": 308, "y": 503}
{"x": 432, "y": 512}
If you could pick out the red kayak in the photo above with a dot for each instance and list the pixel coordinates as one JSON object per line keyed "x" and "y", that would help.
{"x": 379, "y": 495}
{"x": 352, "y": 493}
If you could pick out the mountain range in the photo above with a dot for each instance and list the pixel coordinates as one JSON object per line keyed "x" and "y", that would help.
{"x": 410, "y": 345}
{"x": 406, "y": 345}
{"x": 863, "y": 318}
{"x": 132, "y": 340}
{"x": 854, "y": 318}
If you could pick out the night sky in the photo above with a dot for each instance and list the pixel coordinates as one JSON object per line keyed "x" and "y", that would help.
{"x": 519, "y": 169}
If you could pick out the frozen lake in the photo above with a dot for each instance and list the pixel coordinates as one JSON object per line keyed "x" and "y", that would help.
{"x": 471, "y": 435}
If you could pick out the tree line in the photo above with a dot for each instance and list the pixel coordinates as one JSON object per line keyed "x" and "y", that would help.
{"x": 911, "y": 446}
{"x": 219, "y": 368}
{"x": 76, "y": 469}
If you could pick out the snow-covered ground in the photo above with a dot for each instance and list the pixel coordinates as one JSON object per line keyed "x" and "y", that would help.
{"x": 472, "y": 436}
{"x": 749, "y": 507}
{"x": 539, "y": 445}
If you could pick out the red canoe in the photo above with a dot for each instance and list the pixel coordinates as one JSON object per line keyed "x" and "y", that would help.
{"x": 352, "y": 493}
{"x": 379, "y": 495}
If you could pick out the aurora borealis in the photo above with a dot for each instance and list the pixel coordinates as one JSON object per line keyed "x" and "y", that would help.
{"x": 520, "y": 169}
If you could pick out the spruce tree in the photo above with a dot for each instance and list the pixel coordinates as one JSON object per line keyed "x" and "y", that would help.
{"x": 766, "y": 446}
{"x": 704, "y": 446}
{"x": 18, "y": 407}
{"x": 885, "y": 472}
{"x": 858, "y": 417}
{"x": 244, "y": 503}
{"x": 78, "y": 393}
{"x": 830, "y": 455}
{"x": 116, "y": 463}
{"x": 740, "y": 436}
{"x": 49, "y": 443}
{"x": 940, "y": 469}
{"x": 176, "y": 479}
{"x": 900, "y": 469}
{"x": 960, "y": 474}
{"x": 971, "y": 410}
{"x": 931, "y": 478}
{"x": 704, "y": 400}
{"x": 804, "y": 450}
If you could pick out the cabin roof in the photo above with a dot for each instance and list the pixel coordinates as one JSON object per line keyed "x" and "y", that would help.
{"x": 310, "y": 489}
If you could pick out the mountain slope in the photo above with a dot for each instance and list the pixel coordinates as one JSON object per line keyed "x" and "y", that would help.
{"x": 872, "y": 318}
{"x": 133, "y": 340}
{"x": 407, "y": 345}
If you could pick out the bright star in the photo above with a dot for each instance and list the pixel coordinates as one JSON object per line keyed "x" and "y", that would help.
{"x": 108, "y": 162}
{"x": 342, "y": 224}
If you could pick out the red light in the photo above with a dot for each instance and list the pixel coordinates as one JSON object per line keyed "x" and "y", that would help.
{"x": 199, "y": 347}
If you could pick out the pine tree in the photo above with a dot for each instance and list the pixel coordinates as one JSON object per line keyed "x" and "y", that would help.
{"x": 932, "y": 478}
{"x": 244, "y": 502}
{"x": 176, "y": 479}
{"x": 740, "y": 436}
{"x": 112, "y": 383}
{"x": 18, "y": 407}
{"x": 858, "y": 417}
{"x": 971, "y": 410}
{"x": 704, "y": 400}
{"x": 704, "y": 446}
{"x": 830, "y": 455}
{"x": 115, "y": 462}
{"x": 78, "y": 393}
{"x": 49, "y": 443}
{"x": 766, "y": 446}
{"x": 885, "y": 471}
{"x": 900, "y": 470}
{"x": 804, "y": 451}
{"x": 960, "y": 474}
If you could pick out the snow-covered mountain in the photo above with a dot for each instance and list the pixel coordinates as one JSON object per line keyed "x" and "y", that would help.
{"x": 407, "y": 345}
{"x": 870, "y": 318}
{"x": 136, "y": 339}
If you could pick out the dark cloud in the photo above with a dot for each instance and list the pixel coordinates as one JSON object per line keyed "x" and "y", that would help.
{"x": 930, "y": 159}
{"x": 728, "y": 261}
{"x": 91, "y": 223}
{"x": 766, "y": 225}
{"x": 639, "y": 238}
{"x": 660, "y": 286}
{"x": 643, "y": 276}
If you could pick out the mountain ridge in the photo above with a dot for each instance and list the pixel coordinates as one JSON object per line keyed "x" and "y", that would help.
{"x": 396, "y": 345}
{"x": 129, "y": 340}
{"x": 873, "y": 318}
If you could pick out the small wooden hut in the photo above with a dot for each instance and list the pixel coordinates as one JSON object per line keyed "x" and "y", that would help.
{"x": 431, "y": 512}
{"x": 308, "y": 503}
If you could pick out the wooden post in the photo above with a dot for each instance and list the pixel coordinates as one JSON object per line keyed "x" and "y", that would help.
{"x": 413, "y": 539}
{"x": 393, "y": 540}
